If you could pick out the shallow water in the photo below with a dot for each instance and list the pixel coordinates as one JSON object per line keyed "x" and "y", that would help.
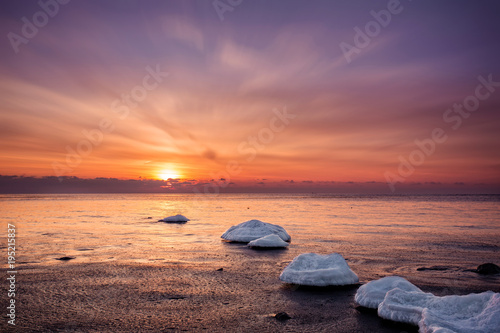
{"x": 379, "y": 235}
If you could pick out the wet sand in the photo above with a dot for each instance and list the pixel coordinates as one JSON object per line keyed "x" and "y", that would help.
{"x": 111, "y": 297}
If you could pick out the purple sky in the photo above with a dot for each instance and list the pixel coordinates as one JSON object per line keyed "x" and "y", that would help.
{"x": 355, "y": 117}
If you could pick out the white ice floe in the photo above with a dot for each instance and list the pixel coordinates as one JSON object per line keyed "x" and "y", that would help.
{"x": 473, "y": 313}
{"x": 268, "y": 241}
{"x": 370, "y": 295}
{"x": 176, "y": 219}
{"x": 254, "y": 229}
{"x": 312, "y": 269}
{"x": 399, "y": 300}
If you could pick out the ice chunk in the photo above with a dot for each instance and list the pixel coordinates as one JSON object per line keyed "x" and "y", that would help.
{"x": 404, "y": 302}
{"x": 268, "y": 241}
{"x": 175, "y": 219}
{"x": 370, "y": 295}
{"x": 254, "y": 229}
{"x": 404, "y": 306}
{"x": 473, "y": 313}
{"x": 312, "y": 269}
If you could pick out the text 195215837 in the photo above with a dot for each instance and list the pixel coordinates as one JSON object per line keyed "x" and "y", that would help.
{"x": 11, "y": 273}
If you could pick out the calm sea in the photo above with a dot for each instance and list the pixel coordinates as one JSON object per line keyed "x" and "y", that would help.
{"x": 379, "y": 235}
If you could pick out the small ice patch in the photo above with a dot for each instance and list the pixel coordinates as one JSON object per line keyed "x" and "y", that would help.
{"x": 312, "y": 269}
{"x": 473, "y": 313}
{"x": 268, "y": 241}
{"x": 176, "y": 218}
{"x": 370, "y": 295}
{"x": 254, "y": 229}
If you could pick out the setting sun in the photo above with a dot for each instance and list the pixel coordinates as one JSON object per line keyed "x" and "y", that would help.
{"x": 169, "y": 174}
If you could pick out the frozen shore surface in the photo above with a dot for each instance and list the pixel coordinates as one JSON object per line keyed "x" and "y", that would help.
{"x": 399, "y": 300}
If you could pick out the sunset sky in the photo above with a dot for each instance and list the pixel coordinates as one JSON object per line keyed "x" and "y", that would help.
{"x": 255, "y": 92}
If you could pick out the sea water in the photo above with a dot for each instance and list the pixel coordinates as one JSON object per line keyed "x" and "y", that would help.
{"x": 378, "y": 235}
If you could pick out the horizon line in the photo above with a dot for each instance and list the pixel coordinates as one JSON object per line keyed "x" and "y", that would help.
{"x": 21, "y": 184}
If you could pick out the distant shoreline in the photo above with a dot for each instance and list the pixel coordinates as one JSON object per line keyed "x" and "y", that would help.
{"x": 13, "y": 184}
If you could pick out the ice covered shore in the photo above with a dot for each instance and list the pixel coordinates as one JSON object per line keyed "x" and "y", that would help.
{"x": 398, "y": 300}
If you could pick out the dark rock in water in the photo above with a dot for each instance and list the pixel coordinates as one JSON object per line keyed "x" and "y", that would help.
{"x": 176, "y": 297}
{"x": 282, "y": 316}
{"x": 220, "y": 269}
{"x": 65, "y": 258}
{"x": 433, "y": 268}
{"x": 487, "y": 269}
